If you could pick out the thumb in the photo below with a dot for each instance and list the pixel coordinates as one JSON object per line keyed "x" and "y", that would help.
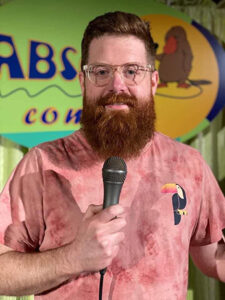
{"x": 92, "y": 210}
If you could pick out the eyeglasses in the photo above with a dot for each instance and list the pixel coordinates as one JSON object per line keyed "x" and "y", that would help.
{"x": 101, "y": 74}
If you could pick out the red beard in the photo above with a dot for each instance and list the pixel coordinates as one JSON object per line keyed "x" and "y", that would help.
{"x": 118, "y": 133}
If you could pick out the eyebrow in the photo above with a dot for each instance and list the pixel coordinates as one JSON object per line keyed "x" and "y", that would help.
{"x": 127, "y": 63}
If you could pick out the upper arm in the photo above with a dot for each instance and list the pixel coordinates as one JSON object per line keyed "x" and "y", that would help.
{"x": 204, "y": 257}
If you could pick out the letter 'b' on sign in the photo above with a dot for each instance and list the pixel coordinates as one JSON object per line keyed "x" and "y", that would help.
{"x": 35, "y": 59}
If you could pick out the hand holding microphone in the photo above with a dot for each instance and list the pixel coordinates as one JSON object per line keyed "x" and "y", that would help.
{"x": 100, "y": 233}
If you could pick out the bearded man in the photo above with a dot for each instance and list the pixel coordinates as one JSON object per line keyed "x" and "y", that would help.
{"x": 54, "y": 235}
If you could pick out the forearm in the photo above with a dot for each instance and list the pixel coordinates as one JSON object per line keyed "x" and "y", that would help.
{"x": 33, "y": 273}
{"x": 220, "y": 261}
{"x": 95, "y": 246}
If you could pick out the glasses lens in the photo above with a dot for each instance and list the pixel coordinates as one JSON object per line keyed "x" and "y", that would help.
{"x": 133, "y": 74}
{"x": 100, "y": 75}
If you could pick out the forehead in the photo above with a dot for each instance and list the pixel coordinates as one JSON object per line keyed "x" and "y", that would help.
{"x": 116, "y": 50}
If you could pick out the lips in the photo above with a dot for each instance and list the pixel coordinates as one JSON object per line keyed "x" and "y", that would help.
{"x": 117, "y": 102}
{"x": 117, "y": 106}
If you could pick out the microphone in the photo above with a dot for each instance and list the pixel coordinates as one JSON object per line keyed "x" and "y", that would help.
{"x": 114, "y": 173}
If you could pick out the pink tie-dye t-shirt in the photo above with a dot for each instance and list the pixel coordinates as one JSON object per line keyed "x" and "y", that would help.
{"x": 173, "y": 201}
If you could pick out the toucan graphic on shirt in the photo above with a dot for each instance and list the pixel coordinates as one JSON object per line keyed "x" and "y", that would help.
{"x": 178, "y": 200}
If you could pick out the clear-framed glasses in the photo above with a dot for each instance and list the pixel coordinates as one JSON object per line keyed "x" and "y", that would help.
{"x": 102, "y": 74}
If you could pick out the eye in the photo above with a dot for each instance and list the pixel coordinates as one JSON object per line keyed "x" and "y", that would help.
{"x": 130, "y": 70}
{"x": 101, "y": 71}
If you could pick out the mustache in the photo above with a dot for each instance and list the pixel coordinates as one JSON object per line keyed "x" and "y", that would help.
{"x": 122, "y": 98}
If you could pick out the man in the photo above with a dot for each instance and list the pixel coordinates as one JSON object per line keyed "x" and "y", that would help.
{"x": 55, "y": 237}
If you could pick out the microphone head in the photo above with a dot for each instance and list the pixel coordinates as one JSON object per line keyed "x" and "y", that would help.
{"x": 114, "y": 170}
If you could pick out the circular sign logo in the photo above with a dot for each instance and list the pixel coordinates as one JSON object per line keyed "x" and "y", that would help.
{"x": 189, "y": 63}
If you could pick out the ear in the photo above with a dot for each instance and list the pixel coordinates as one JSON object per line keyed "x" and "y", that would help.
{"x": 154, "y": 81}
{"x": 81, "y": 79}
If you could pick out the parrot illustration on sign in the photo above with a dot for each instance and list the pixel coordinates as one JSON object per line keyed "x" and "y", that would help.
{"x": 176, "y": 59}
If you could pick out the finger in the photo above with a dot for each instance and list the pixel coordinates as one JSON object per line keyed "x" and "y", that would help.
{"x": 112, "y": 226}
{"x": 126, "y": 212}
{"x": 115, "y": 251}
{"x": 92, "y": 210}
{"x": 109, "y": 213}
{"x": 117, "y": 238}
{"x": 113, "y": 239}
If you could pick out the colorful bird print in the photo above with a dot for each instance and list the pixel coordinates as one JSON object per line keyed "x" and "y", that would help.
{"x": 178, "y": 200}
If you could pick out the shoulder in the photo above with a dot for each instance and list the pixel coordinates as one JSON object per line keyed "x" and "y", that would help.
{"x": 66, "y": 152}
{"x": 67, "y": 145}
{"x": 170, "y": 146}
{"x": 177, "y": 156}
{"x": 60, "y": 143}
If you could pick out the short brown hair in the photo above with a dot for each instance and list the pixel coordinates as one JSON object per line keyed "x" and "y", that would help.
{"x": 118, "y": 23}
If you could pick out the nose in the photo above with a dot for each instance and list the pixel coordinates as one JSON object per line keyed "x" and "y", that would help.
{"x": 117, "y": 84}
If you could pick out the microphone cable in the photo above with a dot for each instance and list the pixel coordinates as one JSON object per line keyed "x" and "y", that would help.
{"x": 102, "y": 273}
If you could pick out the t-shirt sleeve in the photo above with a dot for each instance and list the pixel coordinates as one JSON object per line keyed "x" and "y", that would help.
{"x": 21, "y": 221}
{"x": 211, "y": 219}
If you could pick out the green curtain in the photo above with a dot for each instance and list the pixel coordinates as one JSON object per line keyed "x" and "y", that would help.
{"x": 17, "y": 298}
{"x": 10, "y": 155}
{"x": 210, "y": 142}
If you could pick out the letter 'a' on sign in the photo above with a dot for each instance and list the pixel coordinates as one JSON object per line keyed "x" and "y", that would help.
{"x": 12, "y": 61}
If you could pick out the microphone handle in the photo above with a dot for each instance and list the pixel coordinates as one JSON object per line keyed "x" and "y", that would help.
{"x": 111, "y": 197}
{"x": 111, "y": 193}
